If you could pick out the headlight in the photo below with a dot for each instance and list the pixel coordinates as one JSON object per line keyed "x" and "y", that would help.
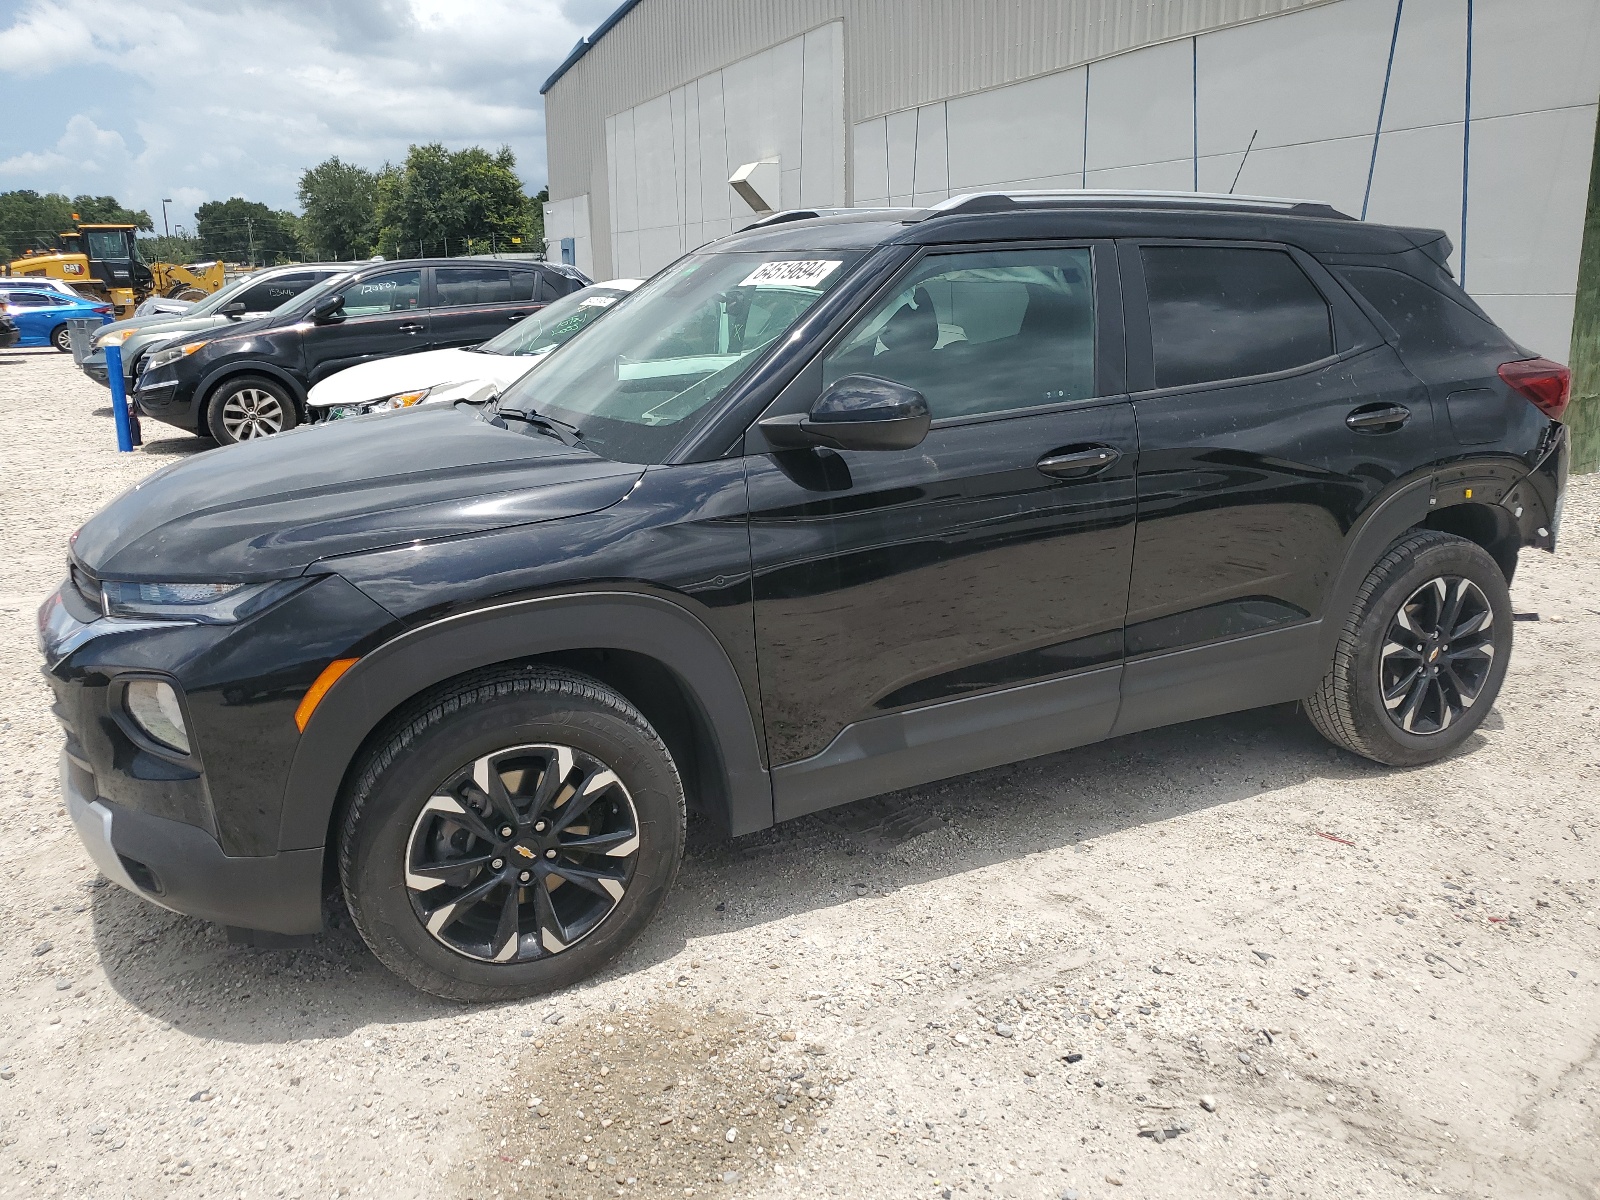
{"x": 206, "y": 603}
{"x": 113, "y": 339}
{"x": 153, "y": 706}
{"x": 403, "y": 399}
{"x": 162, "y": 358}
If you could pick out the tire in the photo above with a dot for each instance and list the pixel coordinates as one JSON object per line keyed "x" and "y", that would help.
{"x": 1396, "y": 694}
{"x": 400, "y": 833}
{"x": 248, "y": 407}
{"x": 61, "y": 339}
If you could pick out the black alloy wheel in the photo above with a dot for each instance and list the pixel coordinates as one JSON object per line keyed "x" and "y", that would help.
{"x": 1421, "y": 653}
{"x": 510, "y": 832}
{"x": 522, "y": 853}
{"x": 1438, "y": 654}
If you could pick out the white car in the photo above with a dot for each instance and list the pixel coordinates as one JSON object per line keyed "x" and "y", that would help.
{"x": 476, "y": 373}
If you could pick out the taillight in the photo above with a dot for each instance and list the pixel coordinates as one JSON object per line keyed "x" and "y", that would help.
{"x": 1547, "y": 384}
{"x": 102, "y": 309}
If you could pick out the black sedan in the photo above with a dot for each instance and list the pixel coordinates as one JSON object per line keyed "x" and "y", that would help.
{"x": 250, "y": 379}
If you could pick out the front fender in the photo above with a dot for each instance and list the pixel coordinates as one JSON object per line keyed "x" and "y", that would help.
{"x": 358, "y": 704}
{"x": 244, "y": 366}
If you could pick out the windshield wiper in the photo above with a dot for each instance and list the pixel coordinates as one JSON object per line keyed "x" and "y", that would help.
{"x": 570, "y": 435}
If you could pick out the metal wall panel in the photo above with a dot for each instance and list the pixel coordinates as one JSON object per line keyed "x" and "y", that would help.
{"x": 898, "y": 54}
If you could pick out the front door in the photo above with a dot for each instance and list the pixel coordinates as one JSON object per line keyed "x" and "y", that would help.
{"x": 1271, "y": 418}
{"x": 383, "y": 315}
{"x": 926, "y": 612}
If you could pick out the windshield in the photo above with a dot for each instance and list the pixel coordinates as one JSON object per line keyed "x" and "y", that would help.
{"x": 637, "y": 382}
{"x": 555, "y": 324}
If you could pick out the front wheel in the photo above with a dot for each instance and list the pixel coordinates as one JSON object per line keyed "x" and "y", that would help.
{"x": 61, "y": 339}
{"x": 513, "y": 834}
{"x": 250, "y": 407}
{"x": 1422, "y": 654}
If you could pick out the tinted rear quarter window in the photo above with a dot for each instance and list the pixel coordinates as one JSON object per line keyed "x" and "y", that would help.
{"x": 1426, "y": 319}
{"x": 1220, "y": 312}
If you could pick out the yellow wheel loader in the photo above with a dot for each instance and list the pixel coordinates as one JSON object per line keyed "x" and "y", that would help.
{"x": 103, "y": 261}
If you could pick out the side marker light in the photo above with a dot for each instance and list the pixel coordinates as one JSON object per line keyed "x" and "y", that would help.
{"x": 313, "y": 697}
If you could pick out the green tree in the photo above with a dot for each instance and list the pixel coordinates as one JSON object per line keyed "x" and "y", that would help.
{"x": 341, "y": 209}
{"x": 108, "y": 210}
{"x": 439, "y": 202}
{"x": 242, "y": 230}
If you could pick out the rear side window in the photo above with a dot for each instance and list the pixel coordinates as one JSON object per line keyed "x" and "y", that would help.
{"x": 1427, "y": 320}
{"x": 1220, "y": 312}
{"x": 458, "y": 286}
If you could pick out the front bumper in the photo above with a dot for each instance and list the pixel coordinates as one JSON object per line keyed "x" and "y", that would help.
{"x": 182, "y": 868}
{"x": 168, "y": 401}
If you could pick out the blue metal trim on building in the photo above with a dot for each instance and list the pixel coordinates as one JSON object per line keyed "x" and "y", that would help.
{"x": 586, "y": 44}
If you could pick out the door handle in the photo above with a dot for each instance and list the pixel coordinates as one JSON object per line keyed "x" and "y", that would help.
{"x": 412, "y": 327}
{"x": 516, "y": 316}
{"x": 1078, "y": 464}
{"x": 1378, "y": 418}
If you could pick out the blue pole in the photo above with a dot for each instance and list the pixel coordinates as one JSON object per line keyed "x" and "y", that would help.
{"x": 119, "y": 398}
{"x": 1466, "y": 146}
{"x": 1383, "y": 102}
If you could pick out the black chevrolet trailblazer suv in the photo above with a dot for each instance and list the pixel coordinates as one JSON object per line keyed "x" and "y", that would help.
{"x": 250, "y": 379}
{"x": 840, "y": 504}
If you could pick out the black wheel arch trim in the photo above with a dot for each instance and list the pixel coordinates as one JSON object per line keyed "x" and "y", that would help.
{"x": 219, "y": 375}
{"x": 388, "y": 677}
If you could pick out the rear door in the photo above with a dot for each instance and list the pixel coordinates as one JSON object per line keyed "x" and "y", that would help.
{"x": 473, "y": 303}
{"x": 1271, "y": 419}
{"x": 925, "y": 612}
{"x": 382, "y": 316}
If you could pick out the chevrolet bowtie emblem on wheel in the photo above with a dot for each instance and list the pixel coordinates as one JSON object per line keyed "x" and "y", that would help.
{"x": 525, "y": 852}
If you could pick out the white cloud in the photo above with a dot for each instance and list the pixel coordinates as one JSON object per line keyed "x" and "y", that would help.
{"x": 204, "y": 99}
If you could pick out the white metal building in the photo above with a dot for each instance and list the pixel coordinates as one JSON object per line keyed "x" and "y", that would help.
{"x": 1473, "y": 116}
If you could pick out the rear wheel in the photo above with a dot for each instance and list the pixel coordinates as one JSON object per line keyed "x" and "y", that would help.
{"x": 249, "y": 407}
{"x": 61, "y": 339}
{"x": 516, "y": 831}
{"x": 1422, "y": 654}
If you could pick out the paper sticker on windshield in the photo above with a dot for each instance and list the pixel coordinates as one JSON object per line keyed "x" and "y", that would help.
{"x": 597, "y": 302}
{"x": 804, "y": 272}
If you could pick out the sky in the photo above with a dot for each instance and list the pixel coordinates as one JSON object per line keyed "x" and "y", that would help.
{"x": 201, "y": 100}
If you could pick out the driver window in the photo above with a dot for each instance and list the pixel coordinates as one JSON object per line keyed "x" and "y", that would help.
{"x": 394, "y": 291}
{"x": 982, "y": 333}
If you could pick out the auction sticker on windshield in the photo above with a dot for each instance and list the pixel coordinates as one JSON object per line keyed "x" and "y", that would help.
{"x": 804, "y": 272}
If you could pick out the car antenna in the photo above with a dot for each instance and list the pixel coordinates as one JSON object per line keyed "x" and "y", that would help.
{"x": 1240, "y": 171}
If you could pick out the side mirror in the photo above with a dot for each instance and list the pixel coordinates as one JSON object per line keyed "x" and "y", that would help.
{"x": 858, "y": 412}
{"x": 326, "y": 311}
{"x": 232, "y": 311}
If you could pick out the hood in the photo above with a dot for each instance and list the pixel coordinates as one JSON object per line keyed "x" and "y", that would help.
{"x": 270, "y": 508}
{"x": 172, "y": 327}
{"x": 411, "y": 372}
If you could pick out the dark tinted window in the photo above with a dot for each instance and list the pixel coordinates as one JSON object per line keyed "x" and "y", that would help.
{"x": 269, "y": 293}
{"x": 1223, "y": 313}
{"x": 1427, "y": 320}
{"x": 551, "y": 288}
{"x": 35, "y": 299}
{"x": 394, "y": 291}
{"x": 457, "y": 286}
{"x": 981, "y": 333}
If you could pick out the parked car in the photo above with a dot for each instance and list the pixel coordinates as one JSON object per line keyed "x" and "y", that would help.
{"x": 828, "y": 508}
{"x": 45, "y": 283}
{"x": 251, "y": 380}
{"x": 160, "y": 306}
{"x": 469, "y": 372}
{"x": 10, "y": 335}
{"x": 41, "y": 314}
{"x": 245, "y": 298}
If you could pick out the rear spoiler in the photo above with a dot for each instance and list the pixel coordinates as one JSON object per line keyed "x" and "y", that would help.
{"x": 1436, "y": 244}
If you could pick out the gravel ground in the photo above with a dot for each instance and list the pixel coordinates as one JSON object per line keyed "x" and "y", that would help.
{"x": 1217, "y": 959}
